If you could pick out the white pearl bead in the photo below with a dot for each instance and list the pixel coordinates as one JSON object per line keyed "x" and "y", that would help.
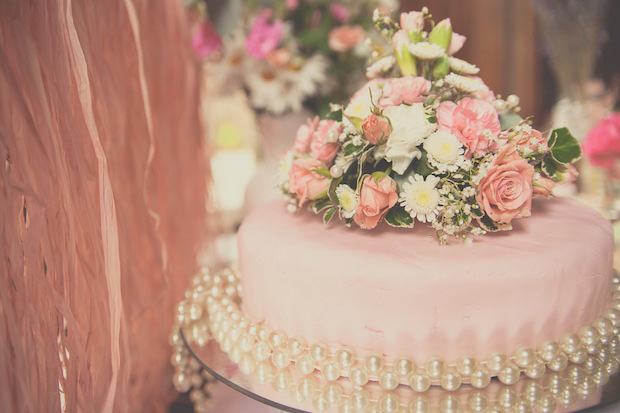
{"x": 419, "y": 404}
{"x": 558, "y": 363}
{"x": 512, "y": 101}
{"x": 480, "y": 378}
{"x": 333, "y": 393}
{"x": 404, "y": 366}
{"x": 509, "y": 374}
{"x": 478, "y": 401}
{"x": 589, "y": 336}
{"x": 358, "y": 376}
{"x": 547, "y": 404}
{"x": 296, "y": 345}
{"x": 374, "y": 363}
{"x": 536, "y": 369}
{"x": 388, "y": 379}
{"x": 548, "y": 350}
{"x": 500, "y": 105}
{"x": 247, "y": 364}
{"x": 264, "y": 371}
{"x": 466, "y": 365}
{"x": 261, "y": 351}
{"x": 345, "y": 357}
{"x": 330, "y": 370}
{"x": 281, "y": 380}
{"x": 419, "y": 382}
{"x": 435, "y": 367}
{"x": 246, "y": 342}
{"x": 571, "y": 343}
{"x": 318, "y": 352}
{"x": 604, "y": 327}
{"x": 281, "y": 359}
{"x": 451, "y": 380}
{"x": 524, "y": 357}
{"x": 278, "y": 339}
{"x": 262, "y": 333}
{"x": 497, "y": 362}
{"x": 389, "y": 403}
{"x": 360, "y": 400}
{"x": 450, "y": 403}
{"x": 336, "y": 171}
{"x": 613, "y": 315}
{"x": 305, "y": 364}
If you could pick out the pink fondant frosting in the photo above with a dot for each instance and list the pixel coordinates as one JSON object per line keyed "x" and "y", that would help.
{"x": 399, "y": 292}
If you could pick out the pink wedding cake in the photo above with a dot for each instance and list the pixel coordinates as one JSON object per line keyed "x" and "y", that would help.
{"x": 440, "y": 256}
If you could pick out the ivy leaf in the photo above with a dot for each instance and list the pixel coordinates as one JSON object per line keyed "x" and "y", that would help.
{"x": 332, "y": 189}
{"x": 564, "y": 146}
{"x": 551, "y": 167}
{"x": 320, "y": 205}
{"x": 329, "y": 214}
{"x": 420, "y": 166}
{"x": 357, "y": 122}
{"x": 399, "y": 218}
{"x": 337, "y": 115}
{"x": 487, "y": 224}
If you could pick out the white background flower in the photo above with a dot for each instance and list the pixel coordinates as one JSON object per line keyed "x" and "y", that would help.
{"x": 421, "y": 198}
{"x": 426, "y": 51}
{"x": 463, "y": 83}
{"x": 409, "y": 128}
{"x": 463, "y": 67}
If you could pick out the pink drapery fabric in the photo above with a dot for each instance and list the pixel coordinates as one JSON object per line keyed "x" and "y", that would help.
{"x": 102, "y": 200}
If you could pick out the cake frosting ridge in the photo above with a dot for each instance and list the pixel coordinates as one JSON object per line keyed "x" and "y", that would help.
{"x": 401, "y": 293}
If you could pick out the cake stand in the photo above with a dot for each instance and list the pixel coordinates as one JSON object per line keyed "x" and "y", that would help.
{"x": 290, "y": 391}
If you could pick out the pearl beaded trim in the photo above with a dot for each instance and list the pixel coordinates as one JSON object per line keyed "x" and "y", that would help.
{"x": 249, "y": 343}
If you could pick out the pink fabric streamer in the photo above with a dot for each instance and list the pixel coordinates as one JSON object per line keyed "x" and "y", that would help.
{"x": 102, "y": 201}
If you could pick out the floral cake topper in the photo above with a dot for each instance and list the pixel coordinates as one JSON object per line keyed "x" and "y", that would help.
{"x": 424, "y": 140}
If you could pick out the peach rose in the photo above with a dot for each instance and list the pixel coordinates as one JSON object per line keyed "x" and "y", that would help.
{"x": 532, "y": 140}
{"x": 375, "y": 199}
{"x": 321, "y": 148}
{"x": 344, "y": 38}
{"x": 506, "y": 191}
{"x": 407, "y": 89}
{"x": 543, "y": 186}
{"x": 304, "y": 135}
{"x": 376, "y": 129}
{"x": 304, "y": 182}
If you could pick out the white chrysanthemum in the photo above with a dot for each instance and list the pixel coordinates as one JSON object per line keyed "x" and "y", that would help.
{"x": 348, "y": 200}
{"x": 463, "y": 67}
{"x": 409, "y": 128}
{"x": 466, "y": 84}
{"x": 361, "y": 104}
{"x": 421, "y": 198}
{"x": 380, "y": 66}
{"x": 286, "y": 162}
{"x": 426, "y": 50}
{"x": 444, "y": 151}
{"x": 280, "y": 89}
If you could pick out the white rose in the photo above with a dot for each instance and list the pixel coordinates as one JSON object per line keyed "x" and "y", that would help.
{"x": 409, "y": 129}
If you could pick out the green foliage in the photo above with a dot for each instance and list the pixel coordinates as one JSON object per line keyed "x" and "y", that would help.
{"x": 398, "y": 217}
{"x": 565, "y": 148}
{"x": 329, "y": 214}
{"x": 337, "y": 115}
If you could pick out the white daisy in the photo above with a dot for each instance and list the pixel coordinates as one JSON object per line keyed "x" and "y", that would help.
{"x": 444, "y": 151}
{"x": 380, "y": 66}
{"x": 286, "y": 162}
{"x": 421, "y": 198}
{"x": 462, "y": 67}
{"x": 348, "y": 200}
{"x": 409, "y": 128}
{"x": 361, "y": 104}
{"x": 466, "y": 84}
{"x": 426, "y": 50}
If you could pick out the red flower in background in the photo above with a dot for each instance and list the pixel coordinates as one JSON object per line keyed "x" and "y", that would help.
{"x": 602, "y": 145}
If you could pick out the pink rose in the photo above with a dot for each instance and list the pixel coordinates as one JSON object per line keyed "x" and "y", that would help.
{"x": 279, "y": 58}
{"x": 406, "y": 89}
{"x": 344, "y": 38}
{"x": 533, "y": 140}
{"x": 602, "y": 144}
{"x": 264, "y": 37}
{"x": 320, "y": 147}
{"x": 543, "y": 186}
{"x": 376, "y": 198}
{"x": 473, "y": 121}
{"x": 376, "y": 129}
{"x": 339, "y": 12}
{"x": 485, "y": 93}
{"x": 412, "y": 21}
{"x": 456, "y": 43}
{"x": 305, "y": 183}
{"x": 304, "y": 135}
{"x": 205, "y": 40}
{"x": 506, "y": 191}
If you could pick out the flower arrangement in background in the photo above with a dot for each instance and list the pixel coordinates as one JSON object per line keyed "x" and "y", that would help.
{"x": 288, "y": 54}
{"x": 602, "y": 145}
{"x": 424, "y": 140}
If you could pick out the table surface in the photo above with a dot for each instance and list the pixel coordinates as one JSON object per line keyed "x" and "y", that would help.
{"x": 279, "y": 390}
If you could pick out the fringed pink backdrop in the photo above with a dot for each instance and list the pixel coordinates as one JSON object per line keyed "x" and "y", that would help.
{"x": 102, "y": 200}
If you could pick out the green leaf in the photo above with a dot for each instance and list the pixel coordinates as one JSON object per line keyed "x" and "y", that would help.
{"x": 350, "y": 149}
{"x": 323, "y": 172}
{"x": 564, "y": 146}
{"x": 357, "y": 122}
{"x": 420, "y": 166}
{"x": 398, "y": 217}
{"x": 549, "y": 166}
{"x": 509, "y": 119}
{"x": 320, "y": 205}
{"x": 337, "y": 115}
{"x": 329, "y": 214}
{"x": 487, "y": 224}
{"x": 331, "y": 192}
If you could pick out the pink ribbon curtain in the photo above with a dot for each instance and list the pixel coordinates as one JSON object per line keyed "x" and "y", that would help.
{"x": 102, "y": 200}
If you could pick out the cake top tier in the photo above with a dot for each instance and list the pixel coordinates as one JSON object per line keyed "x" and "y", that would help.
{"x": 424, "y": 140}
